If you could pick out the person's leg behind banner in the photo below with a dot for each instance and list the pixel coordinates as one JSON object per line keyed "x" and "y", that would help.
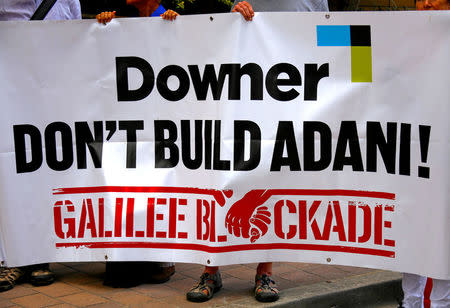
{"x": 420, "y": 291}
{"x": 210, "y": 282}
{"x": 440, "y": 294}
{"x": 413, "y": 287}
{"x": 131, "y": 274}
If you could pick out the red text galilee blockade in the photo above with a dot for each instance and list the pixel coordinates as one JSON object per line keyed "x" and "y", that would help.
{"x": 257, "y": 217}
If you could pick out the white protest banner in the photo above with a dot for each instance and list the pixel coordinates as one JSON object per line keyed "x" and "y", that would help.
{"x": 295, "y": 137}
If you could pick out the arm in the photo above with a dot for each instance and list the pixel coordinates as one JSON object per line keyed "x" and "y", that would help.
{"x": 75, "y": 9}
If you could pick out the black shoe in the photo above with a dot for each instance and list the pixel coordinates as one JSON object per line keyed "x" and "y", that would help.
{"x": 205, "y": 289}
{"x": 160, "y": 274}
{"x": 124, "y": 274}
{"x": 10, "y": 276}
{"x": 41, "y": 275}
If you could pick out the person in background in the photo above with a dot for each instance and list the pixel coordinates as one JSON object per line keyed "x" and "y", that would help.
{"x": 24, "y": 9}
{"x": 38, "y": 274}
{"x": 146, "y": 8}
{"x": 422, "y": 5}
{"x": 420, "y": 291}
{"x": 130, "y": 274}
{"x": 248, "y": 8}
{"x": 265, "y": 288}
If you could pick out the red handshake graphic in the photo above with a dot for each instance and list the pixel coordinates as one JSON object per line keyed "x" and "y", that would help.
{"x": 243, "y": 220}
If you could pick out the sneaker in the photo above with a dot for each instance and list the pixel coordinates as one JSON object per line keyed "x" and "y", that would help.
{"x": 161, "y": 274}
{"x": 265, "y": 289}
{"x": 40, "y": 275}
{"x": 205, "y": 289}
{"x": 9, "y": 276}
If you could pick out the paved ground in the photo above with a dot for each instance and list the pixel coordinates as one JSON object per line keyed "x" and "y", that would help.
{"x": 80, "y": 285}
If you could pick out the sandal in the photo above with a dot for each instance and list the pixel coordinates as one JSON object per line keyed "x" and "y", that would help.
{"x": 10, "y": 276}
{"x": 205, "y": 289}
{"x": 265, "y": 289}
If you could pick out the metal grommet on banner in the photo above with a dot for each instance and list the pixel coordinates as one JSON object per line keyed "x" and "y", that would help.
{"x": 211, "y": 18}
{"x": 327, "y": 16}
{"x": 2, "y": 263}
{"x": 328, "y": 260}
{"x": 208, "y": 261}
{"x": 106, "y": 257}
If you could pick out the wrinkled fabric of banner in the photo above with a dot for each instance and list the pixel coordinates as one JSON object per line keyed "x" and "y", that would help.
{"x": 303, "y": 137}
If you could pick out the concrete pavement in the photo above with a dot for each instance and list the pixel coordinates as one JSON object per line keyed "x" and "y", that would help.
{"x": 301, "y": 285}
